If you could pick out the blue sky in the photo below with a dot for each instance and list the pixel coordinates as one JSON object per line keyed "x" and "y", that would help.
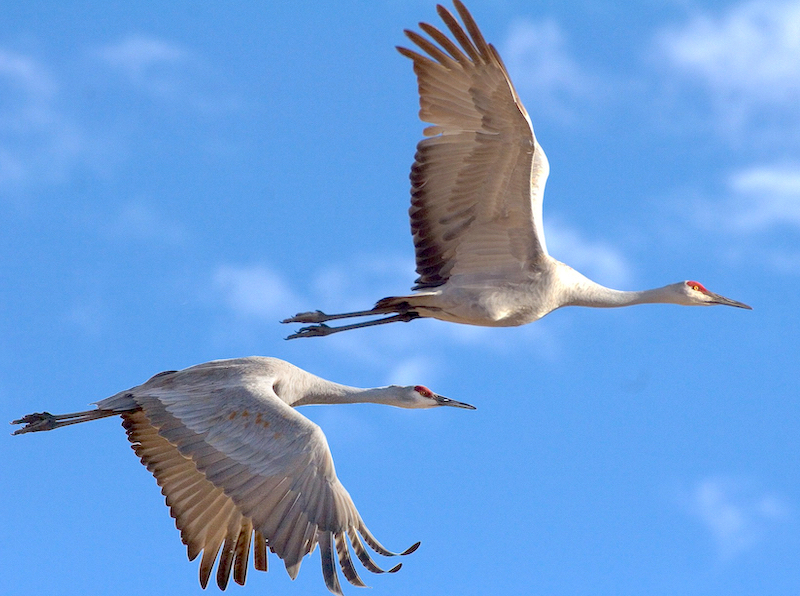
{"x": 173, "y": 181}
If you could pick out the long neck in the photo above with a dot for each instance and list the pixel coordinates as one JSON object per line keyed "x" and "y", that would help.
{"x": 582, "y": 291}
{"x": 602, "y": 297}
{"x": 320, "y": 391}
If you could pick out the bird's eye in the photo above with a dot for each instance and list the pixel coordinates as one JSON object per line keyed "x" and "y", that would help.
{"x": 696, "y": 286}
{"x": 423, "y": 391}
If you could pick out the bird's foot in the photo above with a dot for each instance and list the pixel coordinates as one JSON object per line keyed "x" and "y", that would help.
{"x": 320, "y": 330}
{"x": 314, "y": 316}
{"x": 34, "y": 422}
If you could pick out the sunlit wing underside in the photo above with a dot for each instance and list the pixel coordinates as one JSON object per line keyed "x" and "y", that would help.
{"x": 477, "y": 179}
{"x": 252, "y": 472}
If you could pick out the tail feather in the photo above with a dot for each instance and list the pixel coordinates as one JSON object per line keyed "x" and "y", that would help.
{"x": 398, "y": 304}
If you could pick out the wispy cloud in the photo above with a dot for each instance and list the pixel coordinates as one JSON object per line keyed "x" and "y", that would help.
{"x": 736, "y": 515}
{"x": 766, "y": 196}
{"x": 359, "y": 284}
{"x": 169, "y": 73}
{"x": 594, "y": 258}
{"x": 141, "y": 221}
{"x": 755, "y": 199}
{"x": 46, "y": 138}
{"x": 152, "y": 65}
{"x": 38, "y": 143}
{"x": 254, "y": 292}
{"x": 410, "y": 370}
{"x": 26, "y": 74}
{"x": 747, "y": 58}
{"x": 136, "y": 54}
{"x": 538, "y": 61}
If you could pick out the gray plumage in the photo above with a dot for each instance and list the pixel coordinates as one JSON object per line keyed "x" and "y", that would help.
{"x": 477, "y": 186}
{"x": 239, "y": 466}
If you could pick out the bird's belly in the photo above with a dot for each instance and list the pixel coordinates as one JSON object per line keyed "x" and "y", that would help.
{"x": 499, "y": 307}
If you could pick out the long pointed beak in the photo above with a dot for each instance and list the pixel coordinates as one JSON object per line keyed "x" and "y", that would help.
{"x": 446, "y": 401}
{"x": 717, "y": 299}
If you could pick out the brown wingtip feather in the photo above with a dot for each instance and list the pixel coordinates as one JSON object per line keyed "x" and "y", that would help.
{"x": 328, "y": 566}
{"x": 346, "y": 563}
{"x": 458, "y": 32}
{"x": 410, "y": 549}
{"x": 260, "y": 552}
{"x": 225, "y": 564}
{"x": 242, "y": 553}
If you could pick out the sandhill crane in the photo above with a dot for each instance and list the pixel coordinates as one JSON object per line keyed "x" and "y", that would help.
{"x": 234, "y": 459}
{"x": 476, "y": 203}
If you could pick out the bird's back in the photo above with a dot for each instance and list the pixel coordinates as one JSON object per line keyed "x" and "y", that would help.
{"x": 224, "y": 378}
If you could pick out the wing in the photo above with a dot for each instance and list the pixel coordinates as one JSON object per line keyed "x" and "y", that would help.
{"x": 477, "y": 180}
{"x": 232, "y": 459}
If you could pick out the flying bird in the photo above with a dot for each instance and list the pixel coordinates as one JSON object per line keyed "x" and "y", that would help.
{"x": 476, "y": 203}
{"x": 238, "y": 465}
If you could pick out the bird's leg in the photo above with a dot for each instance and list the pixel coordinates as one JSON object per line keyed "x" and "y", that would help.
{"x": 47, "y": 421}
{"x": 322, "y": 330}
{"x": 317, "y": 316}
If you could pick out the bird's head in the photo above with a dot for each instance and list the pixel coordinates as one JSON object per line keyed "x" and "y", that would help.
{"x": 419, "y": 396}
{"x": 693, "y": 293}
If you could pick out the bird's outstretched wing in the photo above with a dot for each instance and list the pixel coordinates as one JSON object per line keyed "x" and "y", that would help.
{"x": 233, "y": 460}
{"x": 478, "y": 177}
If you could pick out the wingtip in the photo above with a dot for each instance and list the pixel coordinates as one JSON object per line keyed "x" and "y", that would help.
{"x": 411, "y": 549}
{"x": 293, "y": 569}
{"x": 459, "y": 5}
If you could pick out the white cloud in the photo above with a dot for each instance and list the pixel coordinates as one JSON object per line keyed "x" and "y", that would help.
{"x": 410, "y": 370}
{"x": 26, "y": 74}
{"x": 254, "y": 291}
{"x": 140, "y": 221}
{"x": 169, "y": 73}
{"x": 759, "y": 207}
{"x": 595, "y": 259}
{"x": 766, "y": 196}
{"x": 538, "y": 62}
{"x": 151, "y": 65}
{"x": 136, "y": 54}
{"x": 758, "y": 198}
{"x": 736, "y": 516}
{"x": 753, "y": 48}
{"x": 37, "y": 142}
{"x": 46, "y": 138}
{"x": 259, "y": 292}
{"x": 747, "y": 58}
{"x": 165, "y": 72}
{"x": 357, "y": 285}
